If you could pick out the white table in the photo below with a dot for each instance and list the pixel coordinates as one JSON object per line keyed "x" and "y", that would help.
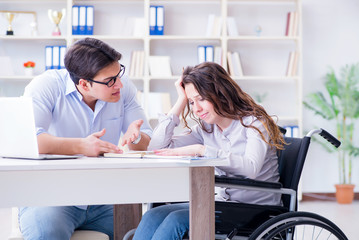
{"x": 114, "y": 181}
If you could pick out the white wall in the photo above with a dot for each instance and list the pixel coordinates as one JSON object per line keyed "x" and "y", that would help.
{"x": 330, "y": 38}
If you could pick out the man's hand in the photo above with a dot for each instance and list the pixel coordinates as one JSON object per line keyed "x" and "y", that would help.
{"x": 132, "y": 132}
{"x": 93, "y": 146}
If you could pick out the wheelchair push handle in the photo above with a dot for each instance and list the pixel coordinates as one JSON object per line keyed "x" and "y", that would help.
{"x": 330, "y": 138}
{"x": 326, "y": 135}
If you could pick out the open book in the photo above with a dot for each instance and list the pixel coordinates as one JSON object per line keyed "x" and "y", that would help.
{"x": 147, "y": 154}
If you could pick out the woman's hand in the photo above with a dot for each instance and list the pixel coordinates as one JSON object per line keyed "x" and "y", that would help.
{"x": 180, "y": 89}
{"x": 181, "y": 100}
{"x": 191, "y": 150}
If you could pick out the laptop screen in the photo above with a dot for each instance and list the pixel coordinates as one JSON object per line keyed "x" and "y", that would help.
{"x": 17, "y": 128}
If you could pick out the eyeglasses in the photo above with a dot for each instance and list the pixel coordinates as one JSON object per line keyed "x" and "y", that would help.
{"x": 112, "y": 80}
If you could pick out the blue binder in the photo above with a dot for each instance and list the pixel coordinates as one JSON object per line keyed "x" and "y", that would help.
{"x": 152, "y": 20}
{"x": 82, "y": 20}
{"x": 62, "y": 56}
{"x": 160, "y": 18}
{"x": 89, "y": 20}
{"x": 75, "y": 20}
{"x": 48, "y": 57}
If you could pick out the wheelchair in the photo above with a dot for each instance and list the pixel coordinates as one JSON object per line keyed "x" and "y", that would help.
{"x": 235, "y": 220}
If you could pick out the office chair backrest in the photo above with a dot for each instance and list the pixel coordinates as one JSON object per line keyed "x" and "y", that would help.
{"x": 291, "y": 161}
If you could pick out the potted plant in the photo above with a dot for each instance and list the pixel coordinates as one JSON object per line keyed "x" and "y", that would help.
{"x": 29, "y": 68}
{"x": 340, "y": 104}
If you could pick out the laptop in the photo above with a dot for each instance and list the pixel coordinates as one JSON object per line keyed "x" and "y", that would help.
{"x": 18, "y": 132}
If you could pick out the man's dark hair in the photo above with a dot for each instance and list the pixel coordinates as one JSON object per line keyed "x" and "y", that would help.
{"x": 86, "y": 57}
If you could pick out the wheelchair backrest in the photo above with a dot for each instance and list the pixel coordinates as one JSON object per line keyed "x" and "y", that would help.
{"x": 291, "y": 161}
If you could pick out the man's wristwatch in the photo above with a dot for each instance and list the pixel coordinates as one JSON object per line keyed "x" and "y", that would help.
{"x": 138, "y": 139}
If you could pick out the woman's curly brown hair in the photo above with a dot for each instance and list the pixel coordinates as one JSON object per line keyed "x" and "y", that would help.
{"x": 215, "y": 85}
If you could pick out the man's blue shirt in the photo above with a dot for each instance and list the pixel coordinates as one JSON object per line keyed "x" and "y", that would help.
{"x": 60, "y": 110}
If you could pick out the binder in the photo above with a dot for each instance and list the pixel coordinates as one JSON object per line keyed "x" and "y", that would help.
{"x": 159, "y": 20}
{"x": 152, "y": 20}
{"x": 56, "y": 57}
{"x": 89, "y": 20}
{"x": 75, "y": 20}
{"x": 82, "y": 20}
{"x": 209, "y": 54}
{"x": 201, "y": 54}
{"x": 62, "y": 56}
{"x": 292, "y": 131}
{"x": 48, "y": 57}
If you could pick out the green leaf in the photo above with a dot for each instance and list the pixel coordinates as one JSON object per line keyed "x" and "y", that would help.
{"x": 320, "y": 106}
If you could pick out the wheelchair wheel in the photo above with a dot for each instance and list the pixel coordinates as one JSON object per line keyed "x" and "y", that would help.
{"x": 298, "y": 225}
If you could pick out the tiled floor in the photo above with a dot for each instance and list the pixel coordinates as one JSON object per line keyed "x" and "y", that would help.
{"x": 344, "y": 216}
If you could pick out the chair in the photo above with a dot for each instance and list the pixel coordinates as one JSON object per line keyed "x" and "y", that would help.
{"x": 274, "y": 222}
{"x": 77, "y": 235}
{"x": 255, "y": 222}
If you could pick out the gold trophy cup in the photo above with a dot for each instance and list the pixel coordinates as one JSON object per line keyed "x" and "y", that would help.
{"x": 9, "y": 16}
{"x": 56, "y": 17}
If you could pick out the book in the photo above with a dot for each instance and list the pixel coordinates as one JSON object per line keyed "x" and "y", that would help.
{"x": 287, "y": 25}
{"x": 295, "y": 24}
{"x": 230, "y": 63}
{"x": 160, "y": 103}
{"x": 292, "y": 64}
{"x": 133, "y": 64}
{"x": 214, "y": 26}
{"x": 232, "y": 27}
{"x": 139, "y": 27}
{"x": 150, "y": 155}
{"x": 237, "y": 66}
{"x": 292, "y": 24}
{"x": 160, "y": 66}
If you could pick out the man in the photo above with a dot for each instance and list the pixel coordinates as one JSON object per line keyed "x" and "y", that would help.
{"x": 83, "y": 109}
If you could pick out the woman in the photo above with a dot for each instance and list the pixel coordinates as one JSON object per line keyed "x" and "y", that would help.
{"x": 229, "y": 124}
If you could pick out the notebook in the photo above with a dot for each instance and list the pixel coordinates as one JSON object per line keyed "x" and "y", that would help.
{"x": 17, "y": 130}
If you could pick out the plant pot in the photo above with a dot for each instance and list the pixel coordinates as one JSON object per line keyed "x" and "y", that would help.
{"x": 344, "y": 193}
{"x": 29, "y": 71}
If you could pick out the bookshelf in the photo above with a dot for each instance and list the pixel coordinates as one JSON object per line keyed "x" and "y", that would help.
{"x": 264, "y": 56}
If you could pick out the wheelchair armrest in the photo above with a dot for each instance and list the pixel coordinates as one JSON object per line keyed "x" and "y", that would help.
{"x": 243, "y": 181}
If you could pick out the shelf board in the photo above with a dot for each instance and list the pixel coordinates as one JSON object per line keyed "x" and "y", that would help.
{"x": 16, "y": 78}
{"x": 255, "y": 1}
{"x": 182, "y": 37}
{"x": 164, "y": 77}
{"x": 263, "y": 38}
{"x": 108, "y": 37}
{"x": 35, "y": 38}
{"x": 287, "y": 118}
{"x": 265, "y": 78}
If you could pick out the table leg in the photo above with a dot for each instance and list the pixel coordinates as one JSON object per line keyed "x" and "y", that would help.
{"x": 126, "y": 217}
{"x": 202, "y": 203}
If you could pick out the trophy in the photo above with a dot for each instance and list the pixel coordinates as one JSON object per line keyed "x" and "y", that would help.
{"x": 9, "y": 16}
{"x": 56, "y": 17}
